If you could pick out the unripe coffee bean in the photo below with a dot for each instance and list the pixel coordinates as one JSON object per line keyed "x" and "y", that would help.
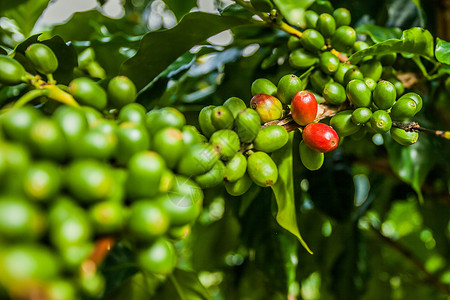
{"x": 334, "y": 93}
{"x": 42, "y": 58}
{"x": 380, "y": 121}
{"x": 11, "y": 71}
{"x": 271, "y": 138}
{"x": 328, "y": 62}
{"x": 384, "y": 95}
{"x": 247, "y": 125}
{"x": 262, "y": 169}
{"x": 222, "y": 118}
{"x": 358, "y": 93}
{"x": 268, "y": 107}
{"x": 342, "y": 123}
{"x": 326, "y": 25}
{"x": 342, "y": 17}
{"x": 287, "y": 87}
{"x": 302, "y": 59}
{"x": 344, "y": 38}
{"x": 263, "y": 86}
{"x": 312, "y": 40}
{"x": 403, "y": 137}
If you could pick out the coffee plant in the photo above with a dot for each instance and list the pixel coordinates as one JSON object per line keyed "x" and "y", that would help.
{"x": 305, "y": 158}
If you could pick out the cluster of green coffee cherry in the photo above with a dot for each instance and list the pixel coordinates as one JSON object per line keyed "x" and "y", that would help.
{"x": 72, "y": 174}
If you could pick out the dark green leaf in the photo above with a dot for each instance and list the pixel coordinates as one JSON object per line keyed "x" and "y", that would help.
{"x": 412, "y": 163}
{"x": 139, "y": 287}
{"x": 180, "y": 8}
{"x": 3, "y": 51}
{"x": 236, "y": 10}
{"x": 6, "y": 5}
{"x": 378, "y": 33}
{"x": 284, "y": 191}
{"x": 26, "y": 14}
{"x": 182, "y": 285}
{"x": 414, "y": 41}
{"x": 159, "y": 49}
{"x": 294, "y": 10}
{"x": 442, "y": 51}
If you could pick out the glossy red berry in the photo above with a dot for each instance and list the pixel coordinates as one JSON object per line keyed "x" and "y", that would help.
{"x": 304, "y": 108}
{"x": 320, "y": 137}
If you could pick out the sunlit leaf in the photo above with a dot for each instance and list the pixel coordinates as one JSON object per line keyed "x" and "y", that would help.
{"x": 442, "y": 51}
{"x": 294, "y": 10}
{"x": 284, "y": 191}
{"x": 26, "y": 14}
{"x": 159, "y": 49}
{"x": 415, "y": 41}
{"x": 378, "y": 33}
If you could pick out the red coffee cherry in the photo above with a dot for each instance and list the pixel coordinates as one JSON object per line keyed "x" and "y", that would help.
{"x": 320, "y": 137}
{"x": 304, "y": 108}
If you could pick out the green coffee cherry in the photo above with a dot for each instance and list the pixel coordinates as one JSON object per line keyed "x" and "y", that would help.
{"x": 311, "y": 159}
{"x": 360, "y": 45}
{"x": 121, "y": 91}
{"x": 416, "y": 98}
{"x": 134, "y": 113}
{"x": 371, "y": 84}
{"x": 198, "y": 159}
{"x": 222, "y": 118}
{"x": 183, "y": 203}
{"x": 319, "y": 80}
{"x": 73, "y": 123}
{"x": 147, "y": 220}
{"x": 380, "y": 121}
{"x": 339, "y": 74}
{"x": 312, "y": 40}
{"x": 17, "y": 123}
{"x": 262, "y": 5}
{"x": 211, "y": 178}
{"x": 403, "y": 109}
{"x": 352, "y": 73}
{"x": 342, "y": 17}
{"x": 131, "y": 139}
{"x": 20, "y": 219}
{"x": 334, "y": 93}
{"x": 400, "y": 89}
{"x": 328, "y": 62}
{"x": 384, "y": 95}
{"x": 191, "y": 135}
{"x": 204, "y": 120}
{"x": 302, "y": 59}
{"x": 358, "y": 93}
{"x": 164, "y": 117}
{"x": 168, "y": 142}
{"x": 262, "y": 169}
{"x": 235, "y": 168}
{"x": 361, "y": 115}
{"x": 372, "y": 69}
{"x": 247, "y": 125}
{"x": 342, "y": 123}
{"x": 28, "y": 262}
{"x": 42, "y": 181}
{"x": 159, "y": 258}
{"x": 387, "y": 59}
{"x": 271, "y": 138}
{"x": 403, "y": 137}
{"x": 311, "y": 18}
{"x": 92, "y": 285}
{"x": 42, "y": 58}
{"x": 89, "y": 180}
{"x": 322, "y": 6}
{"x": 326, "y": 25}
{"x": 235, "y": 105}
{"x": 344, "y": 38}
{"x": 11, "y": 71}
{"x": 47, "y": 139}
{"x": 87, "y": 92}
{"x": 99, "y": 142}
{"x": 263, "y": 86}
{"x": 107, "y": 217}
{"x": 240, "y": 186}
{"x": 225, "y": 142}
{"x": 293, "y": 43}
{"x": 287, "y": 87}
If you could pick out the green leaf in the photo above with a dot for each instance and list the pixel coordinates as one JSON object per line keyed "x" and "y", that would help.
{"x": 236, "y": 10}
{"x": 412, "y": 163}
{"x": 294, "y": 10}
{"x": 378, "y": 33}
{"x": 26, "y": 14}
{"x": 442, "y": 51}
{"x": 414, "y": 41}
{"x": 180, "y": 8}
{"x": 284, "y": 191}
{"x": 159, "y": 49}
{"x": 182, "y": 285}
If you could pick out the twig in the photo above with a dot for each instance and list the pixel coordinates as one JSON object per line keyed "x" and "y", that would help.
{"x": 102, "y": 248}
{"x": 430, "y": 277}
{"x": 414, "y": 126}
